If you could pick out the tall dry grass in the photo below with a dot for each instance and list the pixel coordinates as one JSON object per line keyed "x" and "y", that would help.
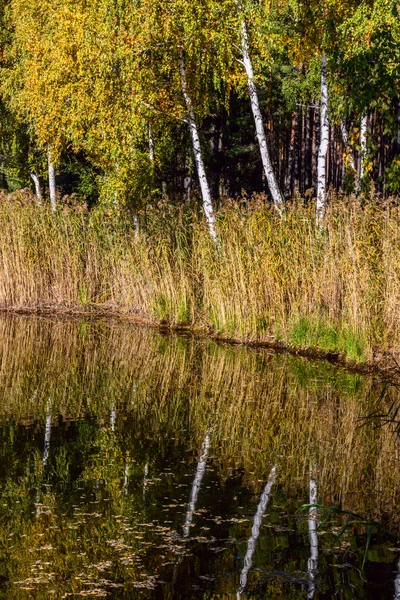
{"x": 336, "y": 287}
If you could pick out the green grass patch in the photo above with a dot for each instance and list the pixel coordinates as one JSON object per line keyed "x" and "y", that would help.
{"x": 311, "y": 331}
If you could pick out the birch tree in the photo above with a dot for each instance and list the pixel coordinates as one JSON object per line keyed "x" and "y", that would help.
{"x": 363, "y": 148}
{"x": 189, "y": 53}
{"x": 198, "y": 155}
{"x": 324, "y": 143}
{"x": 258, "y": 120}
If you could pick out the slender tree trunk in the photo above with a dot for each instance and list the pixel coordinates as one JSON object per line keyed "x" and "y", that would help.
{"x": 398, "y": 125}
{"x": 151, "y": 144}
{"x": 38, "y": 191}
{"x": 315, "y": 143}
{"x": 363, "y": 147}
{"x": 255, "y": 531}
{"x": 289, "y": 171}
{"x": 187, "y": 180}
{"x": 297, "y": 154}
{"x": 303, "y": 168}
{"x": 198, "y": 155}
{"x": 52, "y": 181}
{"x": 201, "y": 467}
{"x": 324, "y": 143}
{"x": 255, "y": 107}
{"x": 308, "y": 166}
{"x": 345, "y": 138}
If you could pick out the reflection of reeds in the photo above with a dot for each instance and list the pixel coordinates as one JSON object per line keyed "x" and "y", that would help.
{"x": 337, "y": 288}
{"x": 265, "y": 409}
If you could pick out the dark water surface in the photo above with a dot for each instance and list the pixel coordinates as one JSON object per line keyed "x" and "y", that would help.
{"x": 140, "y": 465}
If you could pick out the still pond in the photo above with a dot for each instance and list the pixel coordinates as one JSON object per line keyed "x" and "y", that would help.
{"x": 136, "y": 464}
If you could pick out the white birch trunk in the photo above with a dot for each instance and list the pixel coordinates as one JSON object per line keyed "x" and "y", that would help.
{"x": 398, "y": 126}
{"x": 345, "y": 138}
{"x": 255, "y": 107}
{"x": 363, "y": 147}
{"x": 255, "y": 531}
{"x": 52, "y": 181}
{"x": 38, "y": 191}
{"x": 198, "y": 156}
{"x": 201, "y": 467}
{"x": 313, "y": 537}
{"x": 151, "y": 144}
{"x": 324, "y": 142}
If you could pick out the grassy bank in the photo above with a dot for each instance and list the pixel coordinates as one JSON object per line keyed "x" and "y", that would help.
{"x": 337, "y": 288}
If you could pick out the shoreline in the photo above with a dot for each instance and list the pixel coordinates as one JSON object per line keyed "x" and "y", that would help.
{"x": 383, "y": 362}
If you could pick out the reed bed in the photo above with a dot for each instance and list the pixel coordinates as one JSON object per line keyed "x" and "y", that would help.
{"x": 269, "y": 278}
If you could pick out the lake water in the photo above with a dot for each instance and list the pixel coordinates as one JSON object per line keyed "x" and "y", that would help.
{"x": 141, "y": 465}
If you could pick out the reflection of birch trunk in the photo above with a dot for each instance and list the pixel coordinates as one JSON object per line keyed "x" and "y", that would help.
{"x": 146, "y": 472}
{"x": 201, "y": 467}
{"x": 255, "y": 531}
{"x": 47, "y": 434}
{"x": 397, "y": 583}
{"x": 46, "y": 453}
{"x": 126, "y": 476}
{"x": 113, "y": 417}
{"x": 313, "y": 537}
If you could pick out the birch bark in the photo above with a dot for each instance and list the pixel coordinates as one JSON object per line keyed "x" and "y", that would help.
{"x": 198, "y": 155}
{"x": 345, "y": 138}
{"x": 52, "y": 181}
{"x": 363, "y": 146}
{"x": 289, "y": 170}
{"x": 151, "y": 144}
{"x": 324, "y": 142}
{"x": 255, "y": 107}
{"x": 38, "y": 191}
